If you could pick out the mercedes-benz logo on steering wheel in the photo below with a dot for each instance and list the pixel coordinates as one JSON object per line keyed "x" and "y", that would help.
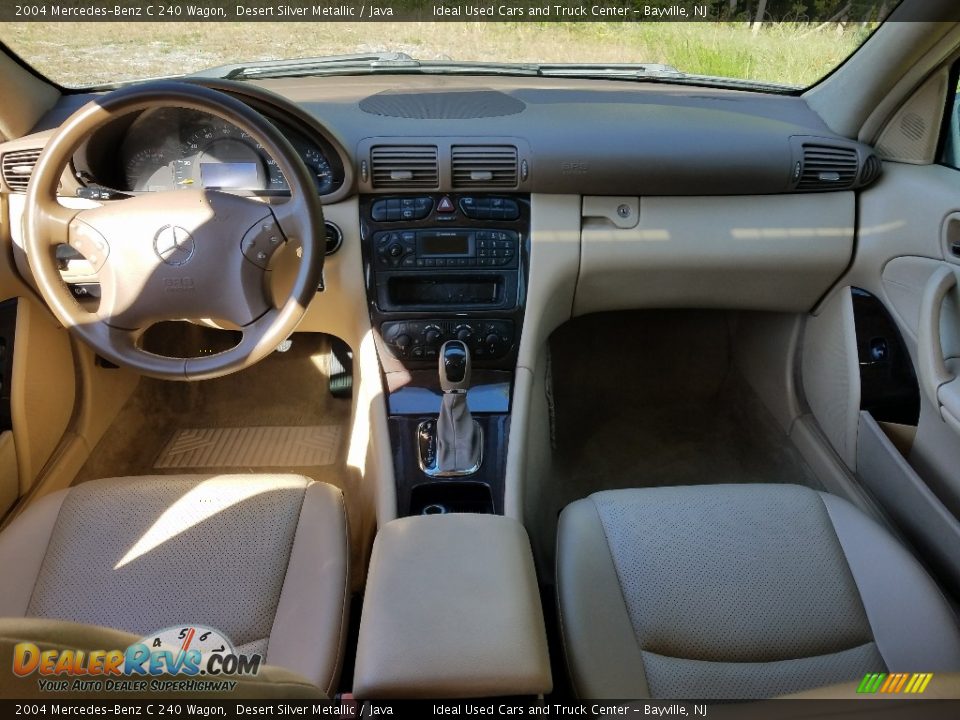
{"x": 174, "y": 245}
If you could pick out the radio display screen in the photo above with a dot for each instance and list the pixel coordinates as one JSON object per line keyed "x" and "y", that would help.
{"x": 446, "y": 244}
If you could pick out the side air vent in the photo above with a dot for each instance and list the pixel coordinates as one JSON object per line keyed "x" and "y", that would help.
{"x": 871, "y": 170}
{"x": 404, "y": 166}
{"x": 17, "y": 166}
{"x": 828, "y": 167}
{"x": 484, "y": 166}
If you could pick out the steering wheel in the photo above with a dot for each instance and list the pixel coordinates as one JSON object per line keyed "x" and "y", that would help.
{"x": 179, "y": 254}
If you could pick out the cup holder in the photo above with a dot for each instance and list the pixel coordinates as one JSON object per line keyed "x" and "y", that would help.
{"x": 459, "y": 496}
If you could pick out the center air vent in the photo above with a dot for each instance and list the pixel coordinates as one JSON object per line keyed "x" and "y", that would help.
{"x": 487, "y": 166}
{"x": 404, "y": 166}
{"x": 828, "y": 167}
{"x": 17, "y": 166}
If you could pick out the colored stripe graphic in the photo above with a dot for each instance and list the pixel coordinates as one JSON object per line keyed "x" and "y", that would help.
{"x": 893, "y": 683}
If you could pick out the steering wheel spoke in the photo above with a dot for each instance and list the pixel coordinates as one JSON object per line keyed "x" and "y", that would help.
{"x": 56, "y": 220}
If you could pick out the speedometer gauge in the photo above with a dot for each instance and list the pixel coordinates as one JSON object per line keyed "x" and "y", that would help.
{"x": 149, "y": 169}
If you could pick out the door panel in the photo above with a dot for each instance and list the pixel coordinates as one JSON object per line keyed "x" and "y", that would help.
{"x": 37, "y": 379}
{"x": 902, "y": 259}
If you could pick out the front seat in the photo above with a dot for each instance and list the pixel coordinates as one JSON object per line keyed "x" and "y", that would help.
{"x": 261, "y": 558}
{"x": 739, "y": 591}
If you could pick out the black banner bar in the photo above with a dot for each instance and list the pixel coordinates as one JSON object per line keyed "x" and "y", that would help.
{"x": 853, "y": 709}
{"x": 540, "y": 11}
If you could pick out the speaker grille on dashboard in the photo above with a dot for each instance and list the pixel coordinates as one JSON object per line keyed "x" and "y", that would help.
{"x": 442, "y": 105}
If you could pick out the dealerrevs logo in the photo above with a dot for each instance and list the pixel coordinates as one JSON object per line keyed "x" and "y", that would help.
{"x": 203, "y": 656}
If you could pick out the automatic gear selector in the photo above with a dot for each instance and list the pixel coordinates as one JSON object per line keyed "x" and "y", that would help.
{"x": 452, "y": 445}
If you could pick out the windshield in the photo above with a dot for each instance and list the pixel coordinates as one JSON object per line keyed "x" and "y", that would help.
{"x": 798, "y": 42}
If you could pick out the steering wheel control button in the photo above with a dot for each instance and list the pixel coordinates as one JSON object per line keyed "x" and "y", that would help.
{"x": 174, "y": 245}
{"x": 261, "y": 241}
{"x": 90, "y": 243}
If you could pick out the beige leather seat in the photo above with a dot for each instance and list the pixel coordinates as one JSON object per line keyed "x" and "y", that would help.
{"x": 740, "y": 591}
{"x": 261, "y": 558}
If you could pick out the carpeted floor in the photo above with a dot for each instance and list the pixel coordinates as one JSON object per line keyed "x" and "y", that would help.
{"x": 649, "y": 399}
{"x": 286, "y": 392}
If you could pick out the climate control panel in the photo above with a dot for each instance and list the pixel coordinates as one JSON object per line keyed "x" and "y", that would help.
{"x": 421, "y": 339}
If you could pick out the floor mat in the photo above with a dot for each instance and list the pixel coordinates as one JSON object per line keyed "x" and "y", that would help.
{"x": 251, "y": 447}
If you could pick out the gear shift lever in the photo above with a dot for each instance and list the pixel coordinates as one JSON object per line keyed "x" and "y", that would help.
{"x": 456, "y": 439}
{"x": 454, "y": 367}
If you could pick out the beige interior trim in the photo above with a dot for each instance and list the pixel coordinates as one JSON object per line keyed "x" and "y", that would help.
{"x": 766, "y": 352}
{"x": 341, "y": 310}
{"x": 28, "y": 98}
{"x": 882, "y": 74}
{"x": 912, "y": 133}
{"x": 777, "y": 252}
{"x": 900, "y": 246}
{"x": 831, "y": 373}
{"x": 23, "y": 545}
{"x": 937, "y": 61}
{"x": 43, "y": 389}
{"x": 900, "y": 436}
{"x": 830, "y": 470}
{"x": 554, "y": 263}
{"x": 9, "y": 474}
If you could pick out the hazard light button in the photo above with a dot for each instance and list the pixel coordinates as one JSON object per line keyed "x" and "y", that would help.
{"x": 445, "y": 206}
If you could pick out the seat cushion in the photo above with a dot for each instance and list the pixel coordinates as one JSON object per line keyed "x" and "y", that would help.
{"x": 739, "y": 591}
{"x": 261, "y": 558}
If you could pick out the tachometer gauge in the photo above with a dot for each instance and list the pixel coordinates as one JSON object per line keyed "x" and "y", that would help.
{"x": 149, "y": 169}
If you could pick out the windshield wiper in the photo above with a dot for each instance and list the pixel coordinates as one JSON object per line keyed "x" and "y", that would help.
{"x": 616, "y": 70}
{"x": 309, "y": 66}
{"x": 401, "y": 63}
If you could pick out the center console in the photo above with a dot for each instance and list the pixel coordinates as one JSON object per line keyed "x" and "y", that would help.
{"x": 446, "y": 270}
{"x": 451, "y": 610}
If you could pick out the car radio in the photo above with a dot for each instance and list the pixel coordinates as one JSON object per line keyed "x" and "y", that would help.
{"x": 446, "y": 248}
{"x": 446, "y": 265}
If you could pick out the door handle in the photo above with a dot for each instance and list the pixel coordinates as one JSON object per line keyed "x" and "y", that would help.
{"x": 941, "y": 386}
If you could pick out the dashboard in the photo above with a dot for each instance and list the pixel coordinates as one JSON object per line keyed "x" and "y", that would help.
{"x": 177, "y": 148}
